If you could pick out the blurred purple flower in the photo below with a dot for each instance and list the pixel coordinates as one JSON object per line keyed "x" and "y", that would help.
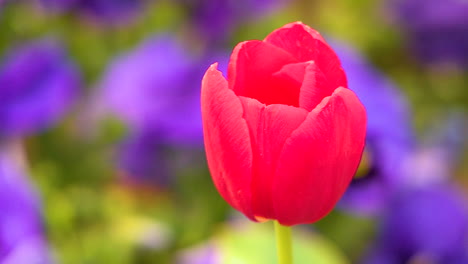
{"x": 425, "y": 225}
{"x": 437, "y": 30}
{"x": 107, "y": 11}
{"x": 389, "y": 134}
{"x": 206, "y": 253}
{"x": 21, "y": 232}
{"x": 216, "y": 20}
{"x": 155, "y": 90}
{"x": 440, "y": 152}
{"x": 37, "y": 85}
{"x": 142, "y": 158}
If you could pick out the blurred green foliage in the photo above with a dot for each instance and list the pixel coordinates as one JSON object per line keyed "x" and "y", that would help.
{"x": 91, "y": 218}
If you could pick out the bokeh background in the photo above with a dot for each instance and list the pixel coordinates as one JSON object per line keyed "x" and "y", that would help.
{"x": 101, "y": 147}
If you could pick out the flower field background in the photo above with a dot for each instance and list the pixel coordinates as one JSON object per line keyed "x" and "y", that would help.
{"x": 101, "y": 141}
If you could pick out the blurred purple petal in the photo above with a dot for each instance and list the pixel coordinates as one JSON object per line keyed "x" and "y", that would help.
{"x": 216, "y": 19}
{"x": 142, "y": 158}
{"x": 426, "y": 224}
{"x": 108, "y": 11}
{"x": 436, "y": 30}
{"x": 206, "y": 253}
{"x": 155, "y": 90}
{"x": 38, "y": 84}
{"x": 21, "y": 234}
{"x": 59, "y": 5}
{"x": 156, "y": 87}
{"x": 439, "y": 154}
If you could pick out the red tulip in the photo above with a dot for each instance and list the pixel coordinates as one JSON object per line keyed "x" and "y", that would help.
{"x": 283, "y": 134}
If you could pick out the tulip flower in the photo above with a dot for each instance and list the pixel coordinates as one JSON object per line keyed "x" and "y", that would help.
{"x": 283, "y": 134}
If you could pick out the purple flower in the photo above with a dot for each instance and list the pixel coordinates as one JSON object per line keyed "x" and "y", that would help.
{"x": 389, "y": 135}
{"x": 37, "y": 85}
{"x": 440, "y": 152}
{"x": 21, "y": 233}
{"x": 107, "y": 11}
{"x": 428, "y": 225}
{"x": 155, "y": 87}
{"x": 155, "y": 90}
{"x": 142, "y": 158}
{"x": 206, "y": 253}
{"x": 216, "y": 19}
{"x": 437, "y": 30}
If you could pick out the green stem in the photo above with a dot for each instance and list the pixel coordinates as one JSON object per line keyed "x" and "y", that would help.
{"x": 283, "y": 243}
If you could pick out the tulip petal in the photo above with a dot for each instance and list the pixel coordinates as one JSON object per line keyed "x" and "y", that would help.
{"x": 330, "y": 65}
{"x": 306, "y": 44}
{"x": 227, "y": 141}
{"x": 307, "y": 84}
{"x": 315, "y": 87}
{"x": 319, "y": 159}
{"x": 294, "y": 71}
{"x": 270, "y": 126}
{"x": 289, "y": 79}
{"x": 251, "y": 68}
{"x": 298, "y": 39}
